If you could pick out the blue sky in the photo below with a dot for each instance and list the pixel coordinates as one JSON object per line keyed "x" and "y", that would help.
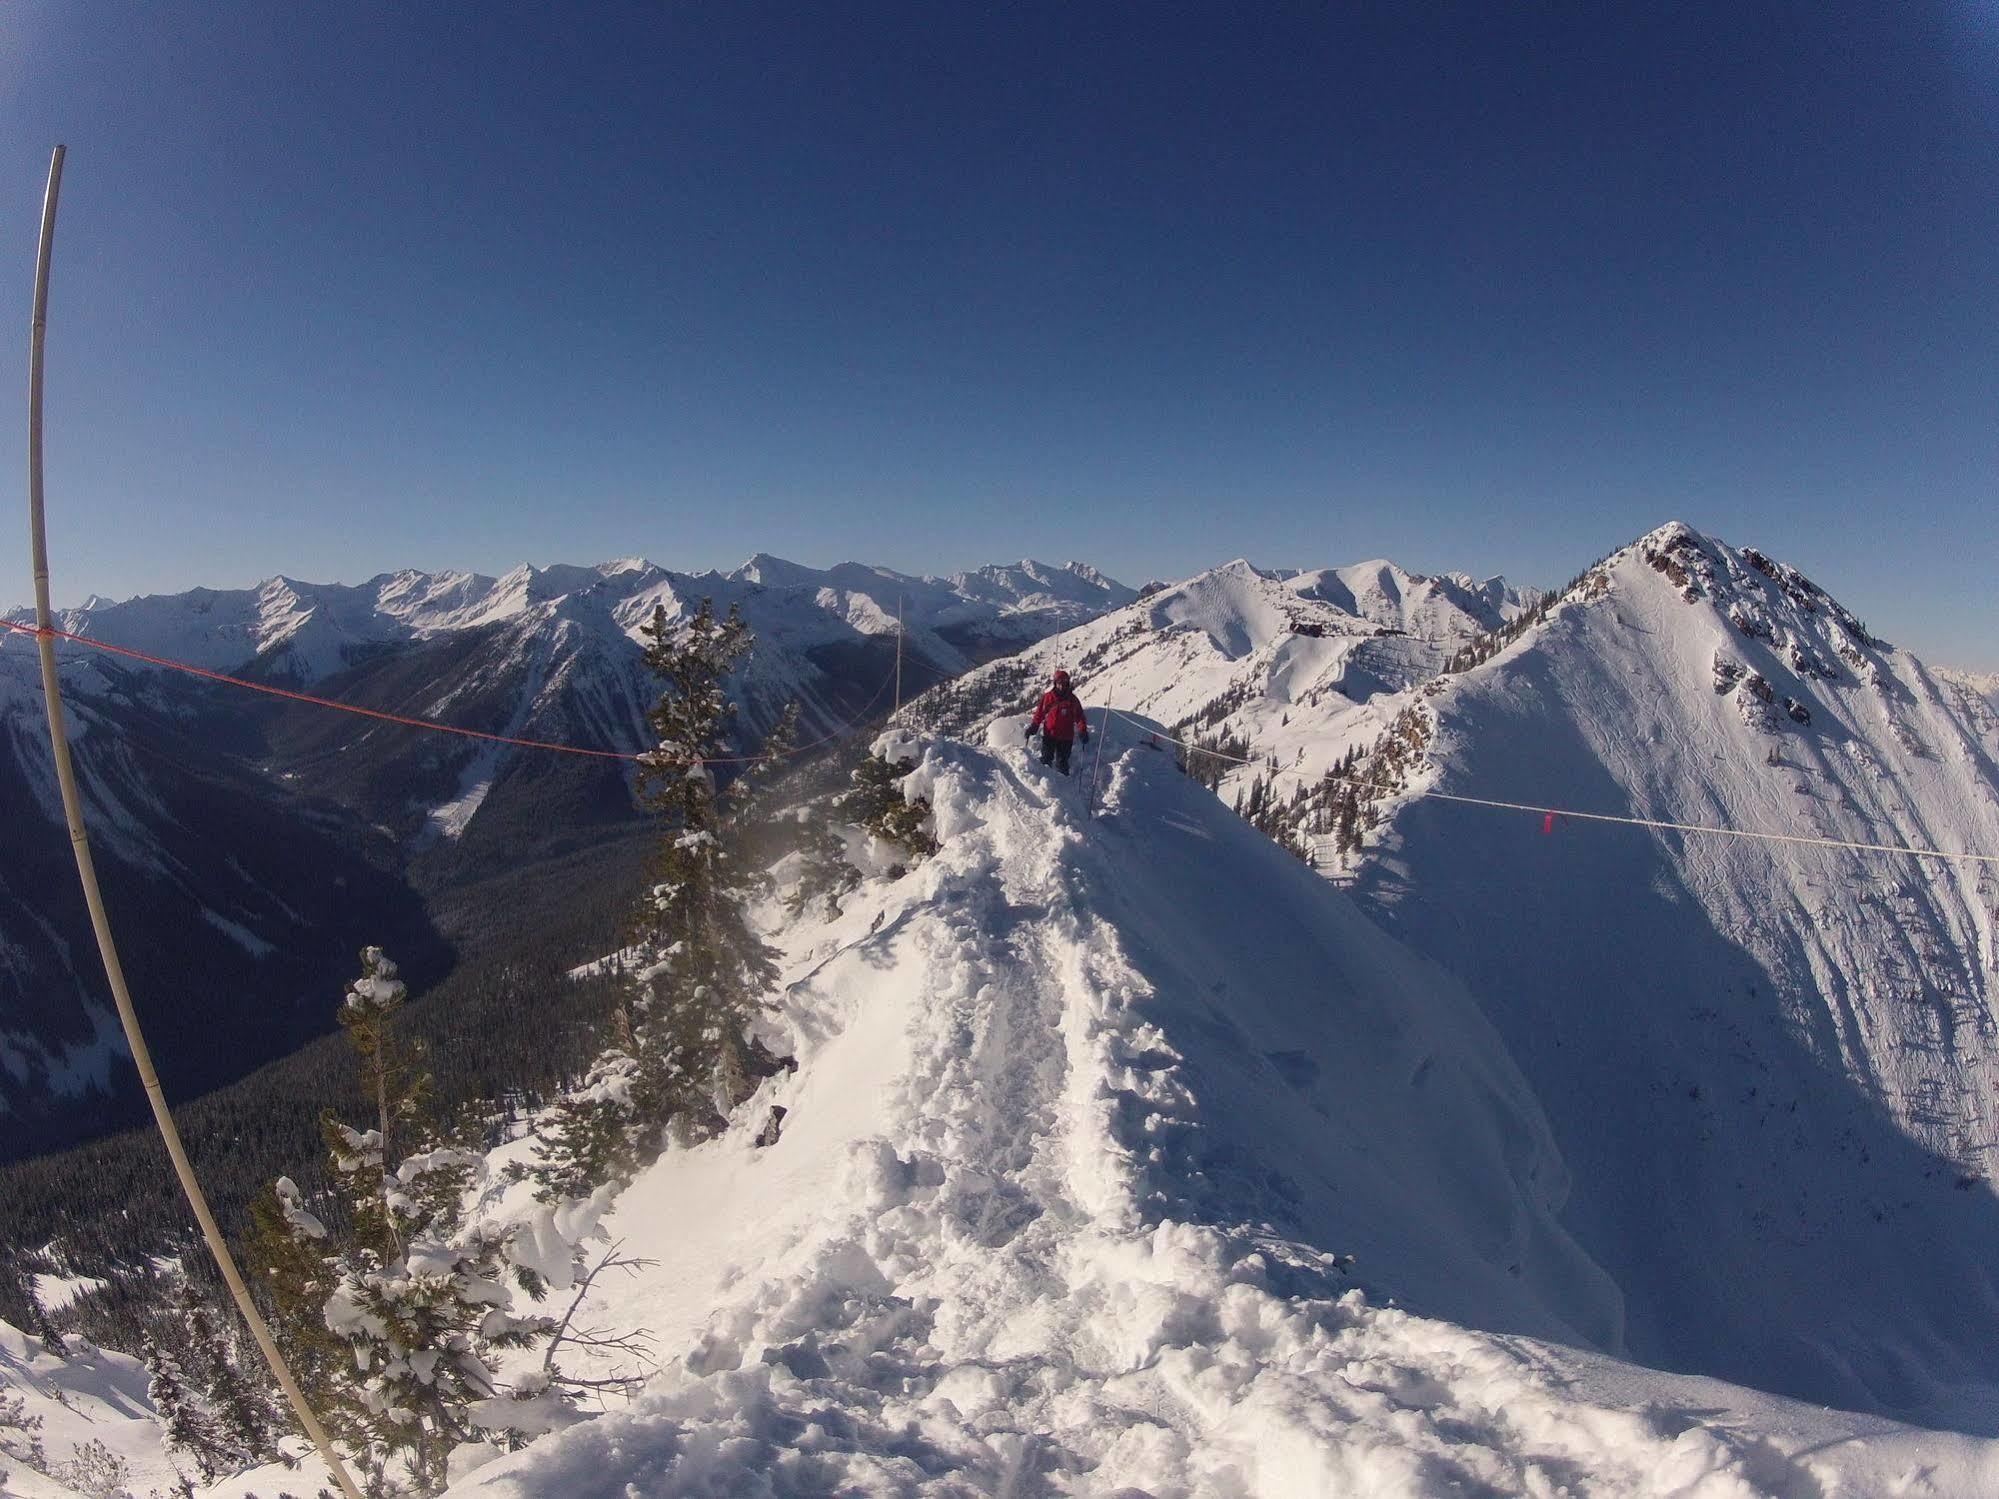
{"x": 346, "y": 288}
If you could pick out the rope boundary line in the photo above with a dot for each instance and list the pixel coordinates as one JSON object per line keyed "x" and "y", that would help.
{"x": 271, "y": 689}
{"x": 1695, "y": 827}
{"x": 1106, "y": 714}
{"x": 1638, "y": 822}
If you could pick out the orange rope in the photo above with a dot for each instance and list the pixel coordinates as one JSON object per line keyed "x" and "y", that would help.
{"x": 406, "y": 720}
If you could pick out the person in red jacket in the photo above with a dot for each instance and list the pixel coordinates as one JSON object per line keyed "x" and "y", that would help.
{"x": 1059, "y": 717}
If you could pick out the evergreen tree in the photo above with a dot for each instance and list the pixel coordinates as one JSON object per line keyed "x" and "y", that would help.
{"x": 192, "y": 1429}
{"x": 245, "y": 1413}
{"x": 684, "y": 1055}
{"x": 394, "y": 1078}
{"x": 43, "y": 1328}
{"x": 876, "y": 803}
{"x": 413, "y": 1298}
{"x": 827, "y": 874}
{"x": 703, "y": 971}
{"x": 294, "y": 1266}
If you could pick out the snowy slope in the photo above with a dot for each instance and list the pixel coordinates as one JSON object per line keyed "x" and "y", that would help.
{"x": 1086, "y": 1110}
{"x": 1773, "y": 1069}
{"x": 93, "y": 1395}
{"x": 1983, "y": 685}
{"x": 89, "y": 1395}
{"x": 209, "y": 868}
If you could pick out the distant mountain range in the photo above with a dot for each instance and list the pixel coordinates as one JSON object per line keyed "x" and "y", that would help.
{"x": 249, "y": 844}
{"x": 304, "y": 632}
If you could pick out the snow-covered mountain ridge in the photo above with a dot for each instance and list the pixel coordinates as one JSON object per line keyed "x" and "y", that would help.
{"x": 1087, "y": 1187}
{"x": 1773, "y": 1068}
{"x": 1089, "y": 1116}
{"x": 1240, "y": 650}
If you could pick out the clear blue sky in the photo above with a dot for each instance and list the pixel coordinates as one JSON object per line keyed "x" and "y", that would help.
{"x": 342, "y": 288}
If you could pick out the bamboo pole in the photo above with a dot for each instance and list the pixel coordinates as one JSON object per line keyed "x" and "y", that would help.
{"x": 86, "y": 871}
{"x": 1097, "y": 759}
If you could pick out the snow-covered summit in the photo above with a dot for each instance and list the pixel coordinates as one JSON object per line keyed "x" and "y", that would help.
{"x": 1793, "y": 1096}
{"x": 1028, "y": 584}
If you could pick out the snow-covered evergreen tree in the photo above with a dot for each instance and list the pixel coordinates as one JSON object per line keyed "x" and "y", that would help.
{"x": 416, "y": 1296}
{"x": 704, "y": 971}
{"x": 192, "y": 1430}
{"x": 216, "y": 1414}
{"x": 20, "y": 1438}
{"x": 877, "y": 803}
{"x": 826, "y": 875}
{"x": 685, "y": 1054}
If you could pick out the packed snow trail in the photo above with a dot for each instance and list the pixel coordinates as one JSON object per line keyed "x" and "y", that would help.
{"x": 1086, "y": 1113}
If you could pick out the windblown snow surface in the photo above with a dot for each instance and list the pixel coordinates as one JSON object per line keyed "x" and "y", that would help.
{"x": 1088, "y": 1115}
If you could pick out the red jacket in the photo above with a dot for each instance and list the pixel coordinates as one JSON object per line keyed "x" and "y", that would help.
{"x": 1059, "y": 715}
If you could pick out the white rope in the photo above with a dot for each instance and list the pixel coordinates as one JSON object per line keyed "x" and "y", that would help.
{"x": 1636, "y": 822}
{"x": 1695, "y": 827}
{"x": 1198, "y": 749}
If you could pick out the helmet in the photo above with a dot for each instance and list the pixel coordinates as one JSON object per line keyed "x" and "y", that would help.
{"x": 1061, "y": 679}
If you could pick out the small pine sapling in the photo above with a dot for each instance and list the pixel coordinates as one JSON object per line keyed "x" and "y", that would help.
{"x": 877, "y": 803}
{"x": 414, "y": 1298}
{"x": 20, "y": 1437}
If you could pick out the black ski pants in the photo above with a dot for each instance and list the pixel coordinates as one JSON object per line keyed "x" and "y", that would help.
{"x": 1056, "y": 752}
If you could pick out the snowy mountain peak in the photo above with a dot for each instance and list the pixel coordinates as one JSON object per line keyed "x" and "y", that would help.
{"x": 1744, "y": 580}
{"x": 621, "y": 565}
{"x": 1822, "y": 1016}
{"x": 775, "y": 572}
{"x": 1089, "y": 574}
